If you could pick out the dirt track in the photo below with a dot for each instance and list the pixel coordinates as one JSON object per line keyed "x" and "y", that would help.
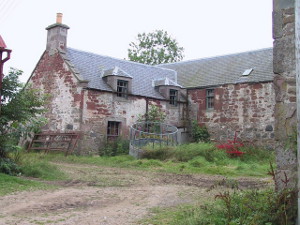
{"x": 109, "y": 196}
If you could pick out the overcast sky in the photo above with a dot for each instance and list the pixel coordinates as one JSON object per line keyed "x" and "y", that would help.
{"x": 205, "y": 28}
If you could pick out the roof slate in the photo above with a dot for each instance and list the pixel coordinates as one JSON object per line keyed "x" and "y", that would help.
{"x": 227, "y": 69}
{"x": 91, "y": 67}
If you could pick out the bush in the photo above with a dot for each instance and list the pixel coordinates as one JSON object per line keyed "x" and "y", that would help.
{"x": 200, "y": 134}
{"x": 9, "y": 167}
{"x": 113, "y": 148}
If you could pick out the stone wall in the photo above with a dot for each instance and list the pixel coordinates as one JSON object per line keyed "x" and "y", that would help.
{"x": 73, "y": 107}
{"x": 285, "y": 88}
{"x": 53, "y": 77}
{"x": 101, "y": 107}
{"x": 246, "y": 108}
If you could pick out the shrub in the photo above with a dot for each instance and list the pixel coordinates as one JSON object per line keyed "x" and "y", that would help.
{"x": 232, "y": 147}
{"x": 113, "y": 148}
{"x": 9, "y": 167}
{"x": 199, "y": 134}
{"x": 155, "y": 114}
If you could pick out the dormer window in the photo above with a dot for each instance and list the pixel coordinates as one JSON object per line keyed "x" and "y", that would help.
{"x": 119, "y": 80}
{"x": 122, "y": 88}
{"x": 173, "y": 97}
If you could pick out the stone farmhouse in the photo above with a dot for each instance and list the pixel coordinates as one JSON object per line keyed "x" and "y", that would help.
{"x": 101, "y": 96}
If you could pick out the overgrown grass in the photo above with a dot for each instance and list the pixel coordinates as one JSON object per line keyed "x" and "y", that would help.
{"x": 36, "y": 165}
{"x": 249, "y": 207}
{"x": 190, "y": 158}
{"x": 205, "y": 158}
{"x": 200, "y": 158}
{"x": 9, "y": 184}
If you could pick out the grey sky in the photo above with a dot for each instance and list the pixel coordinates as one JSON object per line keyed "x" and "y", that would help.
{"x": 204, "y": 28}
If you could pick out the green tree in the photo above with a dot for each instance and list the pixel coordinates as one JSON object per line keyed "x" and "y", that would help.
{"x": 155, "y": 114}
{"x": 155, "y": 48}
{"x": 20, "y": 113}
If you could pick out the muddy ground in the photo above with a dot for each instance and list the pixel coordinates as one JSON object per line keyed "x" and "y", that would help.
{"x": 111, "y": 196}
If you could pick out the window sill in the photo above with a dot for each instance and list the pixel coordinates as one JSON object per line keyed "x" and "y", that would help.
{"x": 121, "y": 99}
{"x": 210, "y": 110}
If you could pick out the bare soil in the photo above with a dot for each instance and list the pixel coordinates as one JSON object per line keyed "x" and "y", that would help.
{"x": 110, "y": 196}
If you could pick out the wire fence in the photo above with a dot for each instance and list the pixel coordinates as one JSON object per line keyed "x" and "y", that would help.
{"x": 152, "y": 134}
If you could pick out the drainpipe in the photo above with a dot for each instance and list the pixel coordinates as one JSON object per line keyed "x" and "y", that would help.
{"x": 147, "y": 108}
{"x": 3, "y": 49}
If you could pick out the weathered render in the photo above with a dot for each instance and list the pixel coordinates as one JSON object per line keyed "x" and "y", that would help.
{"x": 285, "y": 89}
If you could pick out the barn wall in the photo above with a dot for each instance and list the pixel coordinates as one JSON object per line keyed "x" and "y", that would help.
{"x": 245, "y": 108}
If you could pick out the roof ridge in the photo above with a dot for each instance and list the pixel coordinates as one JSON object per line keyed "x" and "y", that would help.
{"x": 124, "y": 60}
{"x": 217, "y": 56}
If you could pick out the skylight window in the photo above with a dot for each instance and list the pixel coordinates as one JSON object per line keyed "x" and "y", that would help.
{"x": 247, "y": 72}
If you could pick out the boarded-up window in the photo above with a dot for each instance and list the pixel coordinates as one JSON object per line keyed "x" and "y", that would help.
{"x": 210, "y": 95}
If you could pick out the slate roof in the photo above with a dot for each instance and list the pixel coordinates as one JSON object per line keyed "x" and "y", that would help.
{"x": 91, "y": 67}
{"x": 227, "y": 69}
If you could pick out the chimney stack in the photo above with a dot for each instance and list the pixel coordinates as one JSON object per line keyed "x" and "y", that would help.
{"x": 57, "y": 35}
{"x": 59, "y": 18}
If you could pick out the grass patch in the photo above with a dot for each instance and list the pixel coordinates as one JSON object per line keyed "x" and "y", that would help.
{"x": 180, "y": 215}
{"x": 238, "y": 207}
{"x": 201, "y": 158}
{"x": 35, "y": 165}
{"x": 9, "y": 184}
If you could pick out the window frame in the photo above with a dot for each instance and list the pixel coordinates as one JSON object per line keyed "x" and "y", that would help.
{"x": 210, "y": 99}
{"x": 113, "y": 129}
{"x": 173, "y": 97}
{"x": 122, "y": 88}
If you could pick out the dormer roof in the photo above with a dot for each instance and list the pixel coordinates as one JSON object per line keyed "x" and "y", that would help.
{"x": 116, "y": 71}
{"x": 165, "y": 82}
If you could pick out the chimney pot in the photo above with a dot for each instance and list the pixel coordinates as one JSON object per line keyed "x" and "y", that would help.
{"x": 59, "y": 18}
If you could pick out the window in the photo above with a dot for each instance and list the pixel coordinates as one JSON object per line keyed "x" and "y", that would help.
{"x": 113, "y": 130}
{"x": 210, "y": 98}
{"x": 122, "y": 88}
{"x": 173, "y": 97}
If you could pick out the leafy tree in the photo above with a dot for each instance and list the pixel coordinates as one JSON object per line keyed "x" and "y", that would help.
{"x": 20, "y": 110}
{"x": 155, "y": 114}
{"x": 155, "y": 48}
